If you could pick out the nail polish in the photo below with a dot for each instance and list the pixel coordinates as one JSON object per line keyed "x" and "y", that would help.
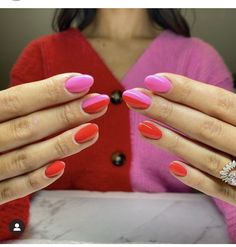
{"x": 136, "y": 99}
{"x": 54, "y": 169}
{"x": 149, "y": 130}
{"x": 158, "y": 83}
{"x": 96, "y": 103}
{"x": 86, "y": 133}
{"x": 79, "y": 83}
{"x": 178, "y": 169}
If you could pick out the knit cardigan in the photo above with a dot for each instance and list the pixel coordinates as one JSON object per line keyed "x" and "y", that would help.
{"x": 146, "y": 166}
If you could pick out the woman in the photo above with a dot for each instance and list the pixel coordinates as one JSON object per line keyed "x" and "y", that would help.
{"x": 120, "y": 49}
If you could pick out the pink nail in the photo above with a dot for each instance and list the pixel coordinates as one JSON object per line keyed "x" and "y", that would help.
{"x": 158, "y": 83}
{"x": 79, "y": 83}
{"x": 136, "y": 99}
{"x": 96, "y": 103}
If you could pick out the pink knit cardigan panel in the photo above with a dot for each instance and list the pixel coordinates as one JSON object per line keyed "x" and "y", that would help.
{"x": 190, "y": 57}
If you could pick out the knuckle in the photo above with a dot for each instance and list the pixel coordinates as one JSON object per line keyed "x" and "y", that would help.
{"x": 62, "y": 147}
{"x": 6, "y": 194}
{"x": 11, "y": 102}
{"x": 209, "y": 129}
{"x": 224, "y": 104}
{"x": 165, "y": 109}
{"x": 22, "y": 163}
{"x": 69, "y": 115}
{"x": 213, "y": 164}
{"x": 33, "y": 183}
{"x": 22, "y": 129}
{"x": 175, "y": 144}
{"x": 200, "y": 183}
{"x": 228, "y": 192}
{"x": 53, "y": 92}
{"x": 185, "y": 91}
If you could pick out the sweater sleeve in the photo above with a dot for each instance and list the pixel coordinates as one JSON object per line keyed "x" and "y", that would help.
{"x": 28, "y": 68}
{"x": 210, "y": 68}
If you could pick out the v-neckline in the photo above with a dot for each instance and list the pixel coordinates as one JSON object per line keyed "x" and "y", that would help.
{"x": 102, "y": 61}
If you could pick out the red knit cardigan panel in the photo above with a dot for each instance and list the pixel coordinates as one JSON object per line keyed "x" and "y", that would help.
{"x": 91, "y": 169}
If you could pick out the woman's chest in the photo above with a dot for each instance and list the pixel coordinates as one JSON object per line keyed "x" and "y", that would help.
{"x": 119, "y": 57}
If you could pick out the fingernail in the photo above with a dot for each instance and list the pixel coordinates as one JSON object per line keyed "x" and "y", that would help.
{"x": 79, "y": 83}
{"x": 158, "y": 83}
{"x": 96, "y": 103}
{"x": 149, "y": 130}
{"x": 55, "y": 169}
{"x": 136, "y": 99}
{"x": 177, "y": 169}
{"x": 86, "y": 133}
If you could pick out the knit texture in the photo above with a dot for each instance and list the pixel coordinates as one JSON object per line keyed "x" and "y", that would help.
{"x": 145, "y": 169}
{"x": 17, "y": 209}
{"x": 189, "y": 57}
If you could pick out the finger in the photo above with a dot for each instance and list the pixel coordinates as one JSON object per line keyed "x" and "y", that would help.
{"x": 203, "y": 182}
{"x": 32, "y": 157}
{"x": 37, "y": 125}
{"x": 21, "y": 186}
{"x": 194, "y": 153}
{"x": 26, "y": 98}
{"x": 194, "y": 124}
{"x": 212, "y": 100}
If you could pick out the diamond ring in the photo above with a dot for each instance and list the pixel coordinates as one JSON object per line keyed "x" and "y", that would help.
{"x": 228, "y": 173}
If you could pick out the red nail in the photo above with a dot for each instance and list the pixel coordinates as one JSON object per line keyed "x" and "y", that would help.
{"x": 150, "y": 130}
{"x": 177, "y": 169}
{"x": 86, "y": 133}
{"x": 55, "y": 169}
{"x": 136, "y": 99}
{"x": 96, "y": 103}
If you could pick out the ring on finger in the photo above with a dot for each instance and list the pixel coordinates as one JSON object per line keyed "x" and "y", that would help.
{"x": 228, "y": 173}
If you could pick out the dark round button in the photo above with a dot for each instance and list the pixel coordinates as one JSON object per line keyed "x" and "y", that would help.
{"x": 118, "y": 159}
{"x": 116, "y": 97}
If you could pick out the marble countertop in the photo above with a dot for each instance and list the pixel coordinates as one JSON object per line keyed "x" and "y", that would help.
{"x": 93, "y": 217}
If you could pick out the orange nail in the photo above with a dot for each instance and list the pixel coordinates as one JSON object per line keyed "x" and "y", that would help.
{"x": 86, "y": 133}
{"x": 150, "y": 130}
{"x": 54, "y": 169}
{"x": 178, "y": 169}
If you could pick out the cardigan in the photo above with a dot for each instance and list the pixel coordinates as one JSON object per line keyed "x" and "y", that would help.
{"x": 145, "y": 168}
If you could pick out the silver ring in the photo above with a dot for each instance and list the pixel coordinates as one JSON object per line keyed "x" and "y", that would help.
{"x": 228, "y": 173}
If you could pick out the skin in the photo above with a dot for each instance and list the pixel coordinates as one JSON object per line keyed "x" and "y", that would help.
{"x": 23, "y": 164}
{"x": 113, "y": 46}
{"x": 213, "y": 142}
{"x": 28, "y": 112}
{"x": 210, "y": 130}
{"x": 25, "y": 120}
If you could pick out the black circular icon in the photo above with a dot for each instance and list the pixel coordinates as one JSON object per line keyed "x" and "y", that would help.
{"x": 17, "y": 226}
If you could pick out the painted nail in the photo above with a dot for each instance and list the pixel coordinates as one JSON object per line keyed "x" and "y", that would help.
{"x": 158, "y": 83}
{"x": 136, "y": 99}
{"x": 96, "y": 103}
{"x": 86, "y": 133}
{"x": 177, "y": 169}
{"x": 149, "y": 130}
{"x": 79, "y": 83}
{"x": 55, "y": 169}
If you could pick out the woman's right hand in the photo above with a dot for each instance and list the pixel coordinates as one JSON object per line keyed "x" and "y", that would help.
{"x": 33, "y": 111}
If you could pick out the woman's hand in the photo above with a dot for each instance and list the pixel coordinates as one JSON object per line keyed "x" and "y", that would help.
{"x": 206, "y": 117}
{"x": 27, "y": 115}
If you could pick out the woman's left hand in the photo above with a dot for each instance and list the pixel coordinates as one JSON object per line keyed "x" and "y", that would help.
{"x": 205, "y": 116}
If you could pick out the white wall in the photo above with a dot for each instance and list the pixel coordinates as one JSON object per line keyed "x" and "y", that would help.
{"x": 19, "y": 26}
{"x": 217, "y": 26}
